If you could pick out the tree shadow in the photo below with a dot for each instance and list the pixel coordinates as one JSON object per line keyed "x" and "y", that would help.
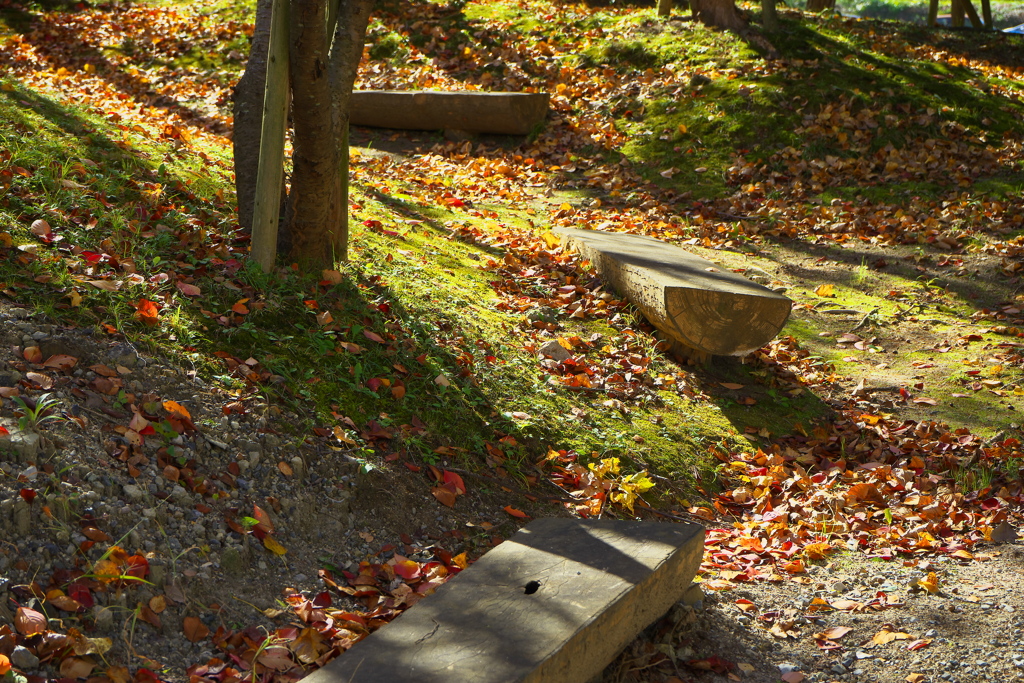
{"x": 79, "y": 55}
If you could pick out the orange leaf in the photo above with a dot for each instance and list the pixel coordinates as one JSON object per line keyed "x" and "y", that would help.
{"x": 175, "y": 408}
{"x": 285, "y": 468}
{"x": 5, "y": 665}
{"x": 456, "y": 482}
{"x": 147, "y": 312}
{"x": 32, "y": 354}
{"x": 516, "y": 513}
{"x": 158, "y": 603}
{"x": 194, "y": 629}
{"x": 373, "y": 336}
{"x": 239, "y": 307}
{"x": 263, "y": 518}
{"x": 444, "y": 495}
{"x": 188, "y": 290}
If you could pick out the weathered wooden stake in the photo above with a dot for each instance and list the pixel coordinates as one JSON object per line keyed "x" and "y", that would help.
{"x": 267, "y": 206}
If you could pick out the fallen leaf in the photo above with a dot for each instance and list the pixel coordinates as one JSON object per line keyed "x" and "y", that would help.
{"x": 147, "y": 312}
{"x": 444, "y": 495}
{"x": 188, "y": 290}
{"x": 331, "y": 276}
{"x": 29, "y": 622}
{"x": 273, "y": 546}
{"x": 158, "y": 603}
{"x": 930, "y": 583}
{"x": 516, "y": 513}
{"x": 834, "y": 633}
{"x": 194, "y": 629}
{"x": 77, "y": 667}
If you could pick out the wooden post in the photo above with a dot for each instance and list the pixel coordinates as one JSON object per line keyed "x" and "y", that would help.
{"x": 956, "y": 14}
{"x": 986, "y": 13}
{"x": 664, "y": 8}
{"x": 933, "y": 12}
{"x": 267, "y": 207}
{"x": 972, "y": 14}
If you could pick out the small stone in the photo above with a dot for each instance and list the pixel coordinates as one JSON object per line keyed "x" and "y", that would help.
{"x": 22, "y": 658}
{"x": 299, "y": 468}
{"x": 24, "y": 444}
{"x": 552, "y": 349}
{"x": 231, "y": 561}
{"x": 134, "y": 492}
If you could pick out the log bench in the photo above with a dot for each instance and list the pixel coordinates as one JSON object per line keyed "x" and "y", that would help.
{"x": 555, "y": 603}
{"x": 696, "y": 303}
{"x": 504, "y": 113}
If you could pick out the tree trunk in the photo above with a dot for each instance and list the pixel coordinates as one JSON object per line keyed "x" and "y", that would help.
{"x": 324, "y": 64}
{"x": 820, "y": 5}
{"x": 769, "y": 16}
{"x": 249, "y": 115}
{"x": 352, "y": 17}
{"x": 315, "y": 200}
{"x": 718, "y": 13}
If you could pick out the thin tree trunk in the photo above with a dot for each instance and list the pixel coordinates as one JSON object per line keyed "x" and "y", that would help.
{"x": 719, "y": 13}
{"x": 353, "y": 16}
{"x": 249, "y": 115}
{"x": 316, "y": 190}
{"x": 769, "y": 15}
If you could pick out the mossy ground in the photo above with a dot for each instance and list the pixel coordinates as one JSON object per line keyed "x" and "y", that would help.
{"x": 430, "y": 291}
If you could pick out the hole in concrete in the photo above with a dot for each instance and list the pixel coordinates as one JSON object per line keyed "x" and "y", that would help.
{"x": 531, "y": 587}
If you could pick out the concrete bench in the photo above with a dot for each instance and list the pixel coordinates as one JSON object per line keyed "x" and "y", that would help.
{"x": 598, "y": 584}
{"x": 506, "y": 113}
{"x": 693, "y": 301}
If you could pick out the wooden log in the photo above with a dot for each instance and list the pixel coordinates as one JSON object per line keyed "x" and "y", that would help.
{"x": 505, "y": 113}
{"x": 556, "y": 602}
{"x": 693, "y": 301}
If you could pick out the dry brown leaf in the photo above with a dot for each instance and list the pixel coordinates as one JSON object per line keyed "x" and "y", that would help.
{"x": 194, "y": 629}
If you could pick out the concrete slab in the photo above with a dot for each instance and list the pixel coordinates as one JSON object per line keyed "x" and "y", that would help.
{"x": 506, "y": 113}
{"x": 600, "y": 583}
{"x": 690, "y": 299}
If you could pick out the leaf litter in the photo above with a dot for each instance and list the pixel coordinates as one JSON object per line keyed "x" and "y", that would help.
{"x": 869, "y": 482}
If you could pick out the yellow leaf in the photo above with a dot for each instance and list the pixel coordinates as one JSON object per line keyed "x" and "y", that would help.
{"x": 826, "y": 290}
{"x": 682, "y": 128}
{"x": 550, "y": 239}
{"x": 930, "y": 583}
{"x": 273, "y": 546}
